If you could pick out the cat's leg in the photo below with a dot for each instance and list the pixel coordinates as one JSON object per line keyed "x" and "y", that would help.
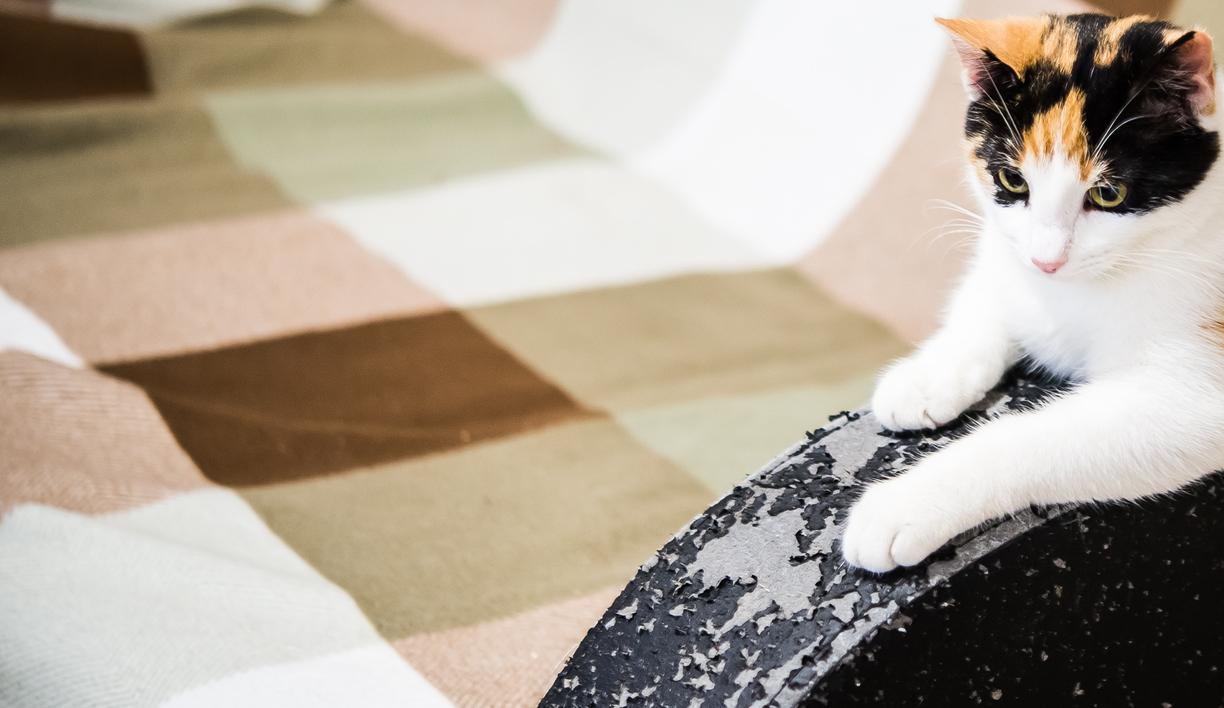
{"x": 954, "y": 368}
{"x": 1125, "y": 437}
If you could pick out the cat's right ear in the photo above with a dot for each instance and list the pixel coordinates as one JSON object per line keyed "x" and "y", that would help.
{"x": 992, "y": 52}
{"x": 973, "y": 59}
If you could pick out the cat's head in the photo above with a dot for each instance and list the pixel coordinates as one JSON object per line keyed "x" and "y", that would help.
{"x": 1085, "y": 133}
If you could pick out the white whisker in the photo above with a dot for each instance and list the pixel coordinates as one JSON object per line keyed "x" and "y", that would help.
{"x": 953, "y": 206}
{"x": 1003, "y": 110}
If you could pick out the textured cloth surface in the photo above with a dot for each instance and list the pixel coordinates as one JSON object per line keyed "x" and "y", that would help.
{"x": 358, "y": 352}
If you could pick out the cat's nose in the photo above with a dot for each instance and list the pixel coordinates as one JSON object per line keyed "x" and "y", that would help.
{"x": 1050, "y": 266}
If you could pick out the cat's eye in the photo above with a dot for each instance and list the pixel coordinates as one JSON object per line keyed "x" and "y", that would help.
{"x": 1012, "y": 180}
{"x": 1107, "y": 196}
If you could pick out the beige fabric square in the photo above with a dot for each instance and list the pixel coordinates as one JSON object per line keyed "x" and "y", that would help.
{"x": 515, "y": 658}
{"x": 83, "y": 441}
{"x": 198, "y": 286}
{"x": 478, "y": 28}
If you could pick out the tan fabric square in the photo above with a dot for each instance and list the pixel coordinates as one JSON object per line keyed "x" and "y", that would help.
{"x": 257, "y": 47}
{"x": 197, "y": 286}
{"x": 80, "y": 168}
{"x": 83, "y": 441}
{"x": 488, "y": 530}
{"x": 1121, "y": 8}
{"x": 690, "y": 337}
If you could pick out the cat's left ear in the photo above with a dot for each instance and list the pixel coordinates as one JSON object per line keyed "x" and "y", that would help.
{"x": 1192, "y": 61}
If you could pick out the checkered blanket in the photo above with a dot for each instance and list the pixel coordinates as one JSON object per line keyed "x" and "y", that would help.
{"x": 358, "y": 357}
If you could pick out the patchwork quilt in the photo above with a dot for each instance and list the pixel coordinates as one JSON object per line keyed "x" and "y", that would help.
{"x": 357, "y": 353}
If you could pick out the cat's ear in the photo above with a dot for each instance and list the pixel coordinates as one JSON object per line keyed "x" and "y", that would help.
{"x": 990, "y": 47}
{"x": 1190, "y": 67}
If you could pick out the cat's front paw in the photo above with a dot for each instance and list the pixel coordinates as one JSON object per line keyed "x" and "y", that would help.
{"x": 925, "y": 391}
{"x": 898, "y": 521}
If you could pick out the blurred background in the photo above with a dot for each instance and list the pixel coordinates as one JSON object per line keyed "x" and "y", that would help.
{"x": 361, "y": 350}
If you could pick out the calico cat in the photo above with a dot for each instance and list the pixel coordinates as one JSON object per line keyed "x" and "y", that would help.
{"x": 1092, "y": 145}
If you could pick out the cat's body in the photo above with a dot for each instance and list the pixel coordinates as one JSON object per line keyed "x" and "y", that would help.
{"x": 1100, "y": 257}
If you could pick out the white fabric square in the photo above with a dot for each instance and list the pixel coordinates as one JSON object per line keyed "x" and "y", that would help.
{"x": 538, "y": 230}
{"x": 618, "y": 76}
{"x": 811, "y": 106}
{"x": 369, "y": 677}
{"x": 134, "y": 607}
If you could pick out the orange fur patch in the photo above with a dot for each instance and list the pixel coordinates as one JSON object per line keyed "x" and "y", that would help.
{"x": 1111, "y": 38}
{"x": 1060, "y": 130}
{"x": 1060, "y": 44}
{"x": 1020, "y": 42}
{"x": 1016, "y": 41}
{"x": 1215, "y": 331}
{"x": 1173, "y": 34}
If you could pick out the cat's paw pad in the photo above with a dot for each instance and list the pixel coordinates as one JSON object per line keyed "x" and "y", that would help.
{"x": 925, "y": 393}
{"x": 894, "y": 523}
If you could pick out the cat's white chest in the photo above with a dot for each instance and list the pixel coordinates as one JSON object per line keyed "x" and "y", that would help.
{"x": 1053, "y": 336}
{"x": 1077, "y": 332}
{"x": 1083, "y": 331}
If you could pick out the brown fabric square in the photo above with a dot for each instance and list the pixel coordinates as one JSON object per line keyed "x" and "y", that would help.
{"x": 34, "y": 8}
{"x": 315, "y": 403}
{"x": 48, "y": 60}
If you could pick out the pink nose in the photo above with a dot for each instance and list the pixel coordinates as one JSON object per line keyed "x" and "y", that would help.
{"x": 1050, "y": 266}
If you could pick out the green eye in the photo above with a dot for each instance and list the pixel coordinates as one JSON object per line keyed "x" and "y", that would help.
{"x": 1012, "y": 180}
{"x": 1107, "y": 196}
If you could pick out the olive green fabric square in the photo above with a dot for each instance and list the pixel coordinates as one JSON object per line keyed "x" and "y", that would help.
{"x": 330, "y": 142}
{"x": 720, "y": 440}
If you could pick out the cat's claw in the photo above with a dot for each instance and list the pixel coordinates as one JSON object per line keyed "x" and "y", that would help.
{"x": 925, "y": 392}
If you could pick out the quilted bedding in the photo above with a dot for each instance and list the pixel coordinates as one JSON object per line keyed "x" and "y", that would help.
{"x": 357, "y": 353}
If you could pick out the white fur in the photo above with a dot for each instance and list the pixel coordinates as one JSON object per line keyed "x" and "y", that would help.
{"x": 1128, "y": 316}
